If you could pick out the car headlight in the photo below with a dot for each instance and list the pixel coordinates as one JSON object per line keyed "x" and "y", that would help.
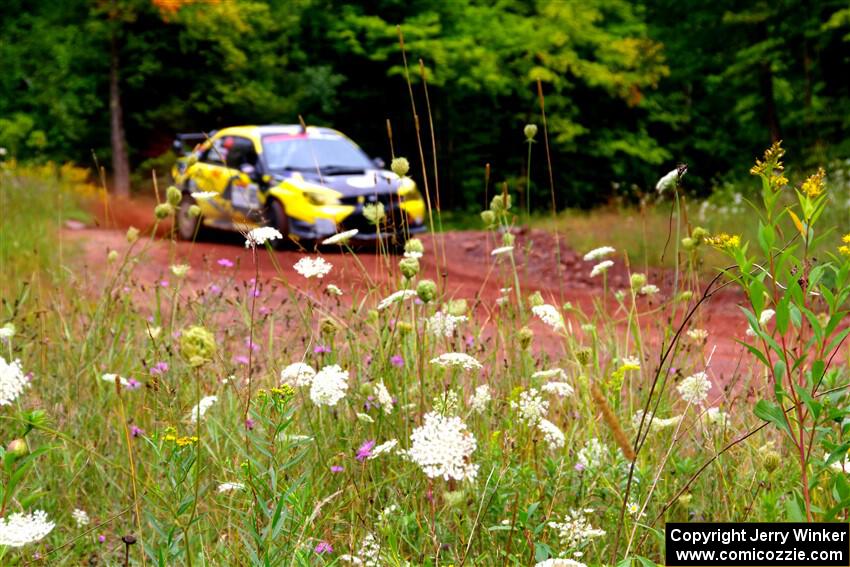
{"x": 321, "y": 199}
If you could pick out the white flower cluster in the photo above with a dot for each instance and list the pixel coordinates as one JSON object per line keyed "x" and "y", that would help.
{"x": 7, "y": 331}
{"x": 601, "y": 268}
{"x": 81, "y": 518}
{"x": 396, "y": 297}
{"x": 20, "y": 529}
{"x": 549, "y": 374}
{"x": 297, "y": 373}
{"x": 550, "y": 315}
{"x": 531, "y": 406}
{"x": 697, "y": 336}
{"x": 260, "y": 235}
{"x": 387, "y": 447}
{"x": 199, "y": 410}
{"x": 369, "y": 554}
{"x": 656, "y": 423}
{"x": 575, "y": 531}
{"x": 560, "y": 389}
{"x": 442, "y": 447}
{"x": 593, "y": 454}
{"x": 384, "y": 398}
{"x": 342, "y": 237}
{"x": 329, "y": 386}
{"x": 649, "y": 289}
{"x": 112, "y": 378}
{"x": 764, "y": 318}
{"x": 694, "y": 389}
{"x": 316, "y": 267}
{"x": 230, "y": 486}
{"x": 715, "y": 417}
{"x": 559, "y": 562}
{"x": 200, "y": 195}
{"x": 457, "y": 360}
{"x": 553, "y": 436}
{"x": 442, "y": 324}
{"x": 12, "y": 381}
{"x": 479, "y": 400}
{"x": 598, "y": 253}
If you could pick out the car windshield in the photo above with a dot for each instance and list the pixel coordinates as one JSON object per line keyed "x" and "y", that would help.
{"x": 298, "y": 153}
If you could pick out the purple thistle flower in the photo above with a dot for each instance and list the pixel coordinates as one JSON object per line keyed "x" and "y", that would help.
{"x": 225, "y": 263}
{"x": 159, "y": 368}
{"x": 321, "y": 349}
{"x": 133, "y": 384}
{"x": 101, "y": 538}
{"x": 337, "y": 468}
{"x": 397, "y": 361}
{"x": 256, "y": 292}
{"x": 365, "y": 450}
{"x": 251, "y": 344}
{"x": 249, "y": 424}
{"x": 136, "y": 431}
{"x": 470, "y": 341}
{"x": 368, "y": 360}
{"x": 215, "y": 289}
{"x": 241, "y": 359}
{"x": 163, "y": 283}
{"x": 579, "y": 467}
{"x": 324, "y": 547}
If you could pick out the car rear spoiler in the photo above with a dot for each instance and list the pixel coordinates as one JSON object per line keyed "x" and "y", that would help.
{"x": 185, "y": 142}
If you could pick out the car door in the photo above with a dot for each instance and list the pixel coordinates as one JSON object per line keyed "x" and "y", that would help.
{"x": 242, "y": 190}
{"x": 210, "y": 175}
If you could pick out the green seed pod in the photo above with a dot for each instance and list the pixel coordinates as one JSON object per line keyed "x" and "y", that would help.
{"x": 500, "y": 203}
{"x": 508, "y": 239}
{"x": 689, "y": 243}
{"x": 197, "y": 345}
{"x": 372, "y": 316}
{"x": 163, "y": 210}
{"x": 525, "y": 336}
{"x": 414, "y": 246}
{"x": 404, "y": 328}
{"x": 536, "y": 299}
{"x": 584, "y": 356}
{"x": 400, "y": 166}
{"x": 426, "y": 290}
{"x": 530, "y": 131}
{"x": 173, "y": 196}
{"x": 328, "y": 328}
{"x": 132, "y": 234}
{"x": 699, "y": 234}
{"x": 112, "y": 256}
{"x": 489, "y": 218}
{"x": 194, "y": 211}
{"x": 770, "y": 460}
{"x": 409, "y": 267}
{"x": 685, "y": 296}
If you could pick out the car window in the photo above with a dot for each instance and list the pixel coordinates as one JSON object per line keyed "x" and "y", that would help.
{"x": 216, "y": 153}
{"x": 303, "y": 153}
{"x": 240, "y": 152}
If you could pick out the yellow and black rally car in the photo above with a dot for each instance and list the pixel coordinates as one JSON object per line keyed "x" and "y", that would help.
{"x": 309, "y": 183}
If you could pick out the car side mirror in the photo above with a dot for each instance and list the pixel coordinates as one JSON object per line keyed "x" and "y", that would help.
{"x": 379, "y": 163}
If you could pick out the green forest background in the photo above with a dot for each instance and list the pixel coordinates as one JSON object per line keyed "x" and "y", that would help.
{"x": 631, "y": 88}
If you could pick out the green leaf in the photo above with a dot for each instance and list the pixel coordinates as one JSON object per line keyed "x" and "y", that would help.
{"x": 772, "y": 413}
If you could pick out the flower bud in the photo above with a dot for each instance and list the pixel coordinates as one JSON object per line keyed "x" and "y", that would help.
{"x": 508, "y": 239}
{"x": 770, "y": 460}
{"x": 489, "y": 218}
{"x": 132, "y": 234}
{"x": 180, "y": 270}
{"x": 456, "y": 307}
{"x": 525, "y": 336}
{"x": 530, "y": 131}
{"x": 426, "y": 290}
{"x": 536, "y": 299}
{"x": 584, "y": 356}
{"x": 17, "y": 448}
{"x": 409, "y": 267}
{"x": 500, "y": 203}
{"x": 404, "y": 328}
{"x": 685, "y": 296}
{"x": 328, "y": 328}
{"x": 400, "y": 166}
{"x": 638, "y": 280}
{"x": 699, "y": 234}
{"x": 372, "y": 316}
{"x": 173, "y": 196}
{"x": 689, "y": 243}
{"x": 163, "y": 210}
{"x": 197, "y": 345}
{"x": 194, "y": 211}
{"x": 414, "y": 246}
{"x": 112, "y": 256}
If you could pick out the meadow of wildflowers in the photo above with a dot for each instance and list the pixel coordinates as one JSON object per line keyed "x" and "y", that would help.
{"x": 208, "y": 420}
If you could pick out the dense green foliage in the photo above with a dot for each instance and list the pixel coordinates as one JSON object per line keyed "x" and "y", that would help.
{"x": 631, "y": 87}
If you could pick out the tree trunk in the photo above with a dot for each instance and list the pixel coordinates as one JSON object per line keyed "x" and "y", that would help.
{"x": 120, "y": 161}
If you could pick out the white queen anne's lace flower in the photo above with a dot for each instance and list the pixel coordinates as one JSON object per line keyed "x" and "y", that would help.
{"x": 531, "y": 406}
{"x": 260, "y": 235}
{"x": 199, "y": 410}
{"x": 369, "y": 554}
{"x": 384, "y": 398}
{"x": 479, "y": 400}
{"x": 601, "y": 268}
{"x": 550, "y": 315}
{"x": 575, "y": 530}
{"x": 316, "y": 267}
{"x": 12, "y": 381}
{"x": 81, "y": 518}
{"x": 201, "y": 195}
{"x": 297, "y": 373}
{"x": 592, "y": 454}
{"x": 18, "y": 529}
{"x": 329, "y": 386}
{"x": 694, "y": 389}
{"x": 230, "y": 486}
{"x": 112, "y": 378}
{"x": 342, "y": 237}
{"x": 444, "y": 324}
{"x": 456, "y": 360}
{"x": 396, "y": 297}
{"x": 442, "y": 447}
{"x": 387, "y": 447}
{"x": 598, "y": 253}
{"x": 764, "y": 318}
{"x": 560, "y": 389}
{"x": 552, "y": 435}
{"x": 7, "y": 331}
{"x": 559, "y": 562}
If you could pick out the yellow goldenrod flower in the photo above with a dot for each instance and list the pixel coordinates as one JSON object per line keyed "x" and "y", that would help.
{"x": 846, "y": 238}
{"x": 814, "y": 185}
{"x": 771, "y": 161}
{"x": 184, "y": 441}
{"x": 724, "y": 241}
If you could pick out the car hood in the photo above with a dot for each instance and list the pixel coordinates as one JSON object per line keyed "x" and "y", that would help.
{"x": 370, "y": 182}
